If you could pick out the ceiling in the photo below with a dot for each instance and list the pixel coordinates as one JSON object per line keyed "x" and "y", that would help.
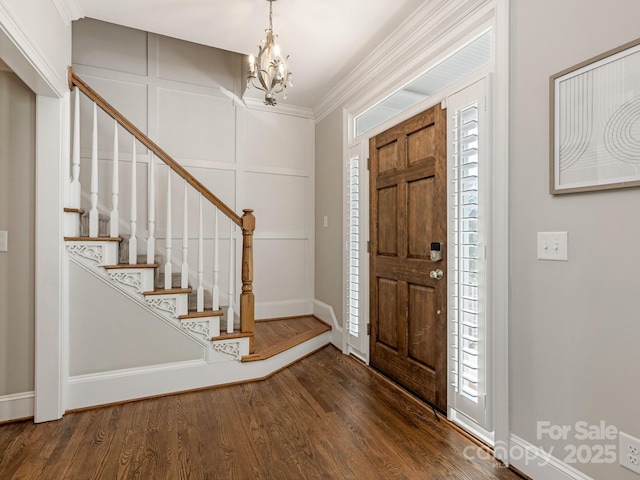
{"x": 326, "y": 39}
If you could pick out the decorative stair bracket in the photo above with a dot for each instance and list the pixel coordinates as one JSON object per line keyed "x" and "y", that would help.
{"x": 102, "y": 251}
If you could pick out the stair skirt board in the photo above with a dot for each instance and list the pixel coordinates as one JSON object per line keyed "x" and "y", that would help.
{"x": 137, "y": 383}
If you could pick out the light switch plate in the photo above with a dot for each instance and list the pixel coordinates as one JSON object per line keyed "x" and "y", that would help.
{"x": 4, "y": 240}
{"x": 553, "y": 246}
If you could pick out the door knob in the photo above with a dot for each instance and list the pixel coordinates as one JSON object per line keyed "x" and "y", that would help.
{"x": 436, "y": 274}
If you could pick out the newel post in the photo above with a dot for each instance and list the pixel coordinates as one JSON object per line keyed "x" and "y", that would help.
{"x": 247, "y": 300}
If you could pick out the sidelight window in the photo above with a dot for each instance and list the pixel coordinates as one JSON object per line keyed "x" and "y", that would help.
{"x": 467, "y": 247}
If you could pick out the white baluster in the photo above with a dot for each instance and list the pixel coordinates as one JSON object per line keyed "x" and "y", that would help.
{"x": 184, "y": 282}
{"x": 114, "y": 219}
{"x": 230, "y": 313}
{"x": 93, "y": 213}
{"x": 151, "y": 241}
{"x": 168, "y": 272}
{"x": 200, "y": 291}
{"x": 215, "y": 292}
{"x": 133, "y": 240}
{"x": 75, "y": 189}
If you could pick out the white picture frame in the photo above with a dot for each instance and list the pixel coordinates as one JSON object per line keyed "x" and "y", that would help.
{"x": 595, "y": 123}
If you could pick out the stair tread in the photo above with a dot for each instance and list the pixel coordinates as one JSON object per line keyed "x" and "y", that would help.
{"x": 298, "y": 330}
{"x": 171, "y": 291}
{"x": 205, "y": 313}
{"x": 131, "y": 265}
{"x": 228, "y": 336}
{"x": 92, "y": 239}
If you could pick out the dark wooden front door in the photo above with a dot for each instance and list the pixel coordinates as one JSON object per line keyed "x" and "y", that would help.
{"x": 408, "y": 213}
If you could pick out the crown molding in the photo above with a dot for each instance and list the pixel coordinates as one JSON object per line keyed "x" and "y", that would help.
{"x": 419, "y": 33}
{"x": 69, "y": 10}
{"x": 256, "y": 104}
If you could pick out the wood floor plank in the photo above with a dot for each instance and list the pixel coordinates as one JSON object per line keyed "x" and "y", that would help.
{"x": 325, "y": 417}
{"x": 275, "y": 336}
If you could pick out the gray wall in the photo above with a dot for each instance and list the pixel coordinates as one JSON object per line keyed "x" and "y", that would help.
{"x": 574, "y": 325}
{"x": 17, "y": 213}
{"x": 329, "y": 202}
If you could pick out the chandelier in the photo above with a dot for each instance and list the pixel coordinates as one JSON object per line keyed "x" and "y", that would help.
{"x": 269, "y": 72}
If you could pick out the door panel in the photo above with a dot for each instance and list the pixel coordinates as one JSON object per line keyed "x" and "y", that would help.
{"x": 420, "y": 200}
{"x": 388, "y": 157}
{"x": 421, "y": 326}
{"x": 387, "y": 228}
{"x": 388, "y": 307}
{"x": 420, "y": 144}
{"x": 408, "y": 212}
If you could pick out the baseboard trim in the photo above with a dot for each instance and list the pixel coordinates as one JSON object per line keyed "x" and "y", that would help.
{"x": 539, "y": 464}
{"x": 86, "y": 391}
{"x": 16, "y": 406}
{"x": 325, "y": 312}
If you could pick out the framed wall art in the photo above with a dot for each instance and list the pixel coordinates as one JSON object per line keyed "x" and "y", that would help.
{"x": 595, "y": 123}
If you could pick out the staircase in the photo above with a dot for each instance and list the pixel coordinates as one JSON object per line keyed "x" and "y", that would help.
{"x": 177, "y": 285}
{"x": 146, "y": 284}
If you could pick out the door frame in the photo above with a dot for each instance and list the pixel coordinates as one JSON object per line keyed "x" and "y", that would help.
{"x": 52, "y": 160}
{"x": 497, "y": 15}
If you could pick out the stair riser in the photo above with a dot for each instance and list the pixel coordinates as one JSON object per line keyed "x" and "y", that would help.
{"x": 174, "y": 304}
{"x": 103, "y": 253}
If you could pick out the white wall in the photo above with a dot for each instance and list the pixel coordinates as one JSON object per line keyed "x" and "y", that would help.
{"x": 574, "y": 325}
{"x": 181, "y": 94}
{"x": 17, "y": 212}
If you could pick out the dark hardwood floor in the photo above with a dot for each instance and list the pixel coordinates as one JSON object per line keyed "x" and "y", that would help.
{"x": 327, "y": 416}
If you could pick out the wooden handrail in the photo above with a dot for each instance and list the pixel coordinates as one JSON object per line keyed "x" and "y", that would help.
{"x": 74, "y": 80}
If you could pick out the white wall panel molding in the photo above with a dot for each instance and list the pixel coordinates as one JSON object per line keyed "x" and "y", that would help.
{"x": 289, "y": 235}
{"x": 16, "y": 406}
{"x": 287, "y": 172}
{"x": 143, "y": 158}
{"x": 87, "y": 72}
